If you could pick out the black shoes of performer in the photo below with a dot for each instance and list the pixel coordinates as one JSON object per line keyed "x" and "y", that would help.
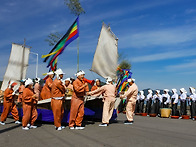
{"x": 79, "y": 128}
{"x": 126, "y": 122}
{"x": 103, "y": 125}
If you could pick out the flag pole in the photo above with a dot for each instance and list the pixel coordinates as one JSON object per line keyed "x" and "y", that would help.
{"x": 78, "y": 54}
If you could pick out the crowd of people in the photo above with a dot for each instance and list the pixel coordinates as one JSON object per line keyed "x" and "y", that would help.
{"x": 157, "y": 101}
{"x": 29, "y": 93}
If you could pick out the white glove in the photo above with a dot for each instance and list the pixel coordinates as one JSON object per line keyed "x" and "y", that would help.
{"x": 165, "y": 103}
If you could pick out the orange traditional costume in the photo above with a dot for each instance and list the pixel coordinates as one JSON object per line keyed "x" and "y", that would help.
{"x": 46, "y": 90}
{"x": 58, "y": 92}
{"x": 29, "y": 102}
{"x": 9, "y": 105}
{"x": 77, "y": 102}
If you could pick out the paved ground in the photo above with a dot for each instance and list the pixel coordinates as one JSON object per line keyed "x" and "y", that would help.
{"x": 145, "y": 131}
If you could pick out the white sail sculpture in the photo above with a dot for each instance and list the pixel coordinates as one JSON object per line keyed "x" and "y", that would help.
{"x": 105, "y": 60}
{"x": 17, "y": 65}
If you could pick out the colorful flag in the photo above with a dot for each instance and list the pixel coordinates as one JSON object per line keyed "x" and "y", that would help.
{"x": 123, "y": 76}
{"x": 58, "y": 49}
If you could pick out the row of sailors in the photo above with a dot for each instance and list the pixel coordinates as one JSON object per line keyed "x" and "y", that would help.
{"x": 157, "y": 101}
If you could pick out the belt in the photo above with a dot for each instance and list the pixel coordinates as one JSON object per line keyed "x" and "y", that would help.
{"x": 58, "y": 98}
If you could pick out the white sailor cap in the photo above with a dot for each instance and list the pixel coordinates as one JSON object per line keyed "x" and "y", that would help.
{"x": 59, "y": 72}
{"x": 50, "y": 73}
{"x": 192, "y": 89}
{"x": 174, "y": 90}
{"x": 183, "y": 90}
{"x": 131, "y": 80}
{"x": 68, "y": 79}
{"x": 28, "y": 82}
{"x": 37, "y": 80}
{"x": 149, "y": 91}
{"x": 81, "y": 72}
{"x": 166, "y": 90}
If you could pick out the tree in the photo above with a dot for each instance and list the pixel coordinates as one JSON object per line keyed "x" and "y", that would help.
{"x": 75, "y": 7}
{"x": 53, "y": 38}
{"x": 125, "y": 64}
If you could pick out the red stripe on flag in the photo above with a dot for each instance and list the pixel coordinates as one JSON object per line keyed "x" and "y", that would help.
{"x": 72, "y": 34}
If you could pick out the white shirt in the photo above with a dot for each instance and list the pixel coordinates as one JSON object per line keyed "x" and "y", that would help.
{"x": 149, "y": 96}
{"x": 175, "y": 97}
{"x": 157, "y": 96}
{"x": 167, "y": 96}
{"x": 193, "y": 96}
{"x": 138, "y": 97}
{"x": 183, "y": 96}
{"x": 142, "y": 97}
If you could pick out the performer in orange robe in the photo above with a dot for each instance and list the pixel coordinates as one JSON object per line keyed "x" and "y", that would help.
{"x": 21, "y": 88}
{"x": 77, "y": 102}
{"x": 97, "y": 85}
{"x": 9, "y": 105}
{"x": 46, "y": 90}
{"x": 58, "y": 92}
{"x": 29, "y": 112}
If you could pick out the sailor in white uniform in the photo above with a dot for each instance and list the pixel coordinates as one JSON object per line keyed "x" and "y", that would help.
{"x": 174, "y": 102}
{"x": 165, "y": 99}
{"x": 183, "y": 98}
{"x": 142, "y": 97}
{"x": 192, "y": 102}
{"x": 149, "y": 102}
{"x": 137, "y": 104}
{"x": 156, "y": 102}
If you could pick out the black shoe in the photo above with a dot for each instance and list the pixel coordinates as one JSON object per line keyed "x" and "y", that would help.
{"x": 103, "y": 125}
{"x": 126, "y": 122}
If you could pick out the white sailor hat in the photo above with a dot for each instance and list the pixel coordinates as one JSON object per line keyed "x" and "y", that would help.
{"x": 50, "y": 73}
{"x": 192, "y": 89}
{"x": 28, "y": 82}
{"x": 183, "y": 90}
{"x": 174, "y": 90}
{"x": 149, "y": 91}
{"x": 81, "y": 72}
{"x": 37, "y": 80}
{"x": 68, "y": 79}
{"x": 131, "y": 80}
{"x": 59, "y": 72}
{"x": 166, "y": 90}
{"x": 158, "y": 91}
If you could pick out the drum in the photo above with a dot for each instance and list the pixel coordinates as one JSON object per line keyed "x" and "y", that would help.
{"x": 165, "y": 112}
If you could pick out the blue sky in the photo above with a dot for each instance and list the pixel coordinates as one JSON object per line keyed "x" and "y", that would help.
{"x": 158, "y": 37}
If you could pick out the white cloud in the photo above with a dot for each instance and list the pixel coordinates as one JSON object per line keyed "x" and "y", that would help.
{"x": 183, "y": 66}
{"x": 190, "y": 11}
{"x": 165, "y": 56}
{"x": 161, "y": 37}
{"x": 19, "y": 9}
